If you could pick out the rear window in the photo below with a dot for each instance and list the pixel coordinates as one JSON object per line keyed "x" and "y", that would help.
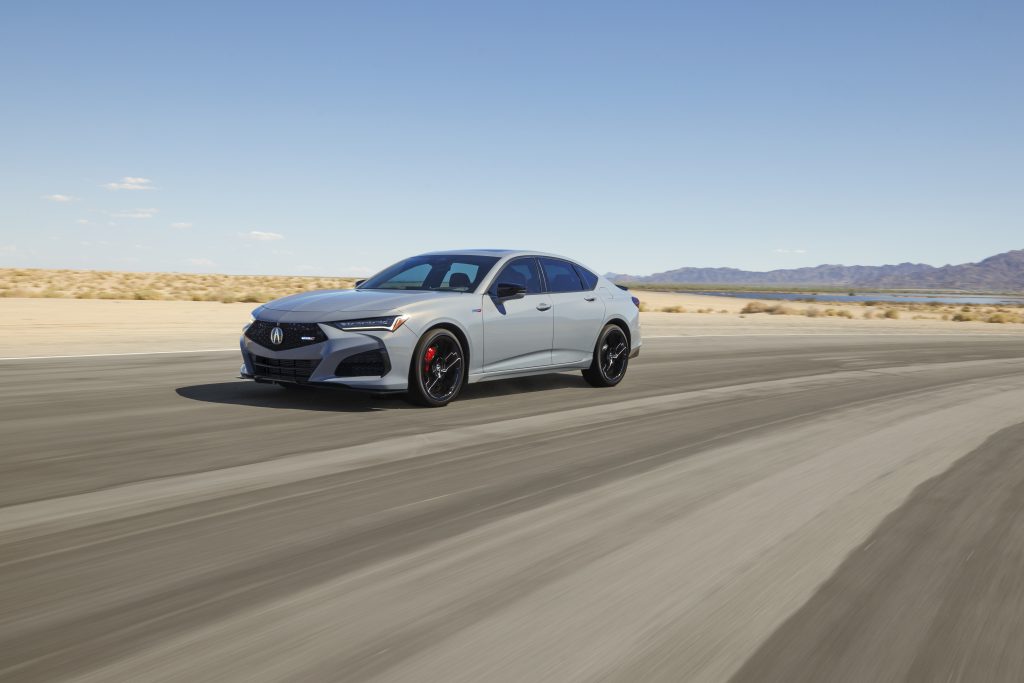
{"x": 589, "y": 279}
{"x": 561, "y": 276}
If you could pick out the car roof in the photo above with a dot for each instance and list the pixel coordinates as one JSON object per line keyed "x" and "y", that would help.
{"x": 500, "y": 253}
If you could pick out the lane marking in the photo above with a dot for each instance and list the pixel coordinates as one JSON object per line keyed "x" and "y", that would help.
{"x": 110, "y": 355}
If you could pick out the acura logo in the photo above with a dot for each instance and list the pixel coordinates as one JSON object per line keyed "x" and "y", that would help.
{"x": 276, "y": 336}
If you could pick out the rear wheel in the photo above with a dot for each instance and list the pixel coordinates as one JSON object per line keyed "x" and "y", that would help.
{"x": 611, "y": 357}
{"x": 438, "y": 369}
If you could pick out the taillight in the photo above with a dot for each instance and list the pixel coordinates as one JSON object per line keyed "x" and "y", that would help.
{"x": 636, "y": 302}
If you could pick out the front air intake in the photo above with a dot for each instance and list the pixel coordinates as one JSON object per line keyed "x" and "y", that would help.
{"x": 366, "y": 364}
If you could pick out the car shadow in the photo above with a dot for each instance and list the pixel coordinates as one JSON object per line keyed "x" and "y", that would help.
{"x": 247, "y": 393}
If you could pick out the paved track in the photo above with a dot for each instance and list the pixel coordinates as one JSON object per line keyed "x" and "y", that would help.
{"x": 787, "y": 508}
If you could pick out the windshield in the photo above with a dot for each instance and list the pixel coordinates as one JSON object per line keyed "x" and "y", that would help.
{"x": 435, "y": 273}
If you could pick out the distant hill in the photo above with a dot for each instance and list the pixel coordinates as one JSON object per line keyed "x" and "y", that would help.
{"x": 1002, "y": 272}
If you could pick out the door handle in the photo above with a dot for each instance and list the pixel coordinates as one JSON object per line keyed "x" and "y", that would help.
{"x": 590, "y": 298}
{"x": 543, "y": 307}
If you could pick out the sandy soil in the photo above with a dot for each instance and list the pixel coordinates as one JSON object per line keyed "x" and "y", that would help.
{"x": 120, "y": 285}
{"x": 49, "y": 327}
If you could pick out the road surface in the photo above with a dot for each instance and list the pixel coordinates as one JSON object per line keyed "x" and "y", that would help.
{"x": 798, "y": 508}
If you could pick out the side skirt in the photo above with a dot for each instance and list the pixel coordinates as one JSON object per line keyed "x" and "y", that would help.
{"x": 525, "y": 372}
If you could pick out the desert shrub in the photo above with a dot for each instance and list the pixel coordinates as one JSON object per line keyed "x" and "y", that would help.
{"x": 813, "y": 312}
{"x": 254, "y": 298}
{"x": 771, "y": 309}
{"x": 999, "y": 318}
{"x": 755, "y": 307}
{"x": 891, "y": 313}
{"x": 673, "y": 309}
{"x": 963, "y": 317}
{"x": 844, "y": 314}
{"x": 146, "y": 295}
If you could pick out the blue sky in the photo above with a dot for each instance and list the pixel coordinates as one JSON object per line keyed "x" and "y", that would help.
{"x": 335, "y": 138}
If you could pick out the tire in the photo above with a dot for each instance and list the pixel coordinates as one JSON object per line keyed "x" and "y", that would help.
{"x": 611, "y": 358}
{"x": 438, "y": 370}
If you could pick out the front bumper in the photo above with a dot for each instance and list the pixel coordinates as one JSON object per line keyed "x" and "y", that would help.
{"x": 318, "y": 364}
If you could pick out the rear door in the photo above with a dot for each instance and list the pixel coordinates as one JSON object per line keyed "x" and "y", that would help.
{"x": 518, "y": 332}
{"x": 579, "y": 312}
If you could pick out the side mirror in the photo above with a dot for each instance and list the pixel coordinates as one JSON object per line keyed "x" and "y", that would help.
{"x": 508, "y": 290}
{"x": 359, "y": 283}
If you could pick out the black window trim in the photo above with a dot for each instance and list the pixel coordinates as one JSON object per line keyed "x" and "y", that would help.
{"x": 583, "y": 281}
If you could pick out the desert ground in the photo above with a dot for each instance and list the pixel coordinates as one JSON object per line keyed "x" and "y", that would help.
{"x": 117, "y": 312}
{"x": 31, "y": 327}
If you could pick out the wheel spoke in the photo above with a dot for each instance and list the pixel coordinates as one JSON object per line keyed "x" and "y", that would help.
{"x": 612, "y": 357}
{"x": 442, "y": 373}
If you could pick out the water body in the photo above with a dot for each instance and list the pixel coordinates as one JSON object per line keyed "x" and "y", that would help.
{"x": 991, "y": 300}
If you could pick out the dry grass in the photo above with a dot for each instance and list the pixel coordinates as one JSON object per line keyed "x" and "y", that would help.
{"x": 105, "y": 284}
{"x": 771, "y": 309}
{"x": 872, "y": 310}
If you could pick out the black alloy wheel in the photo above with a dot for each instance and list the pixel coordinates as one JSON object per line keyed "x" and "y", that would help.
{"x": 611, "y": 358}
{"x": 438, "y": 369}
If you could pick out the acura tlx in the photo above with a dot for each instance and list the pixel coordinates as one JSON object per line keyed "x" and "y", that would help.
{"x": 430, "y": 324}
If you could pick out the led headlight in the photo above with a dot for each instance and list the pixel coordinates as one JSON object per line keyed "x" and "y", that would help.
{"x": 387, "y": 323}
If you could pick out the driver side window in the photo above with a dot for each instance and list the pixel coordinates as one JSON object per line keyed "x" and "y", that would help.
{"x": 524, "y": 272}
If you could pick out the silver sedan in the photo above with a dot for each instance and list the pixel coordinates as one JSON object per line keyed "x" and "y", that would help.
{"x": 430, "y": 324}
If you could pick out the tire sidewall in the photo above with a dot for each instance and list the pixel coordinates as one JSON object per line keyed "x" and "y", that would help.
{"x": 416, "y": 389}
{"x": 605, "y": 333}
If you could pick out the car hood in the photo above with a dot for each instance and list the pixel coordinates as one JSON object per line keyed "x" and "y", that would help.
{"x": 350, "y": 300}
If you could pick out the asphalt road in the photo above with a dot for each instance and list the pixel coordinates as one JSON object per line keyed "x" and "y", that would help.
{"x": 759, "y": 508}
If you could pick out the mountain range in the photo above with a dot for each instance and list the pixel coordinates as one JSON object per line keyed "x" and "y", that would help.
{"x": 999, "y": 273}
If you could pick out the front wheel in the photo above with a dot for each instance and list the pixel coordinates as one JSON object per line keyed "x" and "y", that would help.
{"x": 611, "y": 357}
{"x": 438, "y": 369}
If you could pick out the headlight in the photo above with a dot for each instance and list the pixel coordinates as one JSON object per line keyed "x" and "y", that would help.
{"x": 388, "y": 323}
{"x": 246, "y": 326}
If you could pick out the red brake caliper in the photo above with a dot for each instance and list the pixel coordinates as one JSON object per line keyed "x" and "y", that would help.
{"x": 427, "y": 357}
